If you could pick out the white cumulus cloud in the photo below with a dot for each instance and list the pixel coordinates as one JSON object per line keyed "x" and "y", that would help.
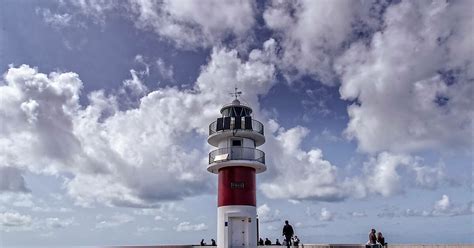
{"x": 267, "y": 215}
{"x": 413, "y": 83}
{"x": 188, "y": 24}
{"x": 134, "y": 157}
{"x": 187, "y": 226}
{"x": 14, "y": 219}
{"x": 326, "y": 215}
{"x": 442, "y": 207}
{"x": 313, "y": 33}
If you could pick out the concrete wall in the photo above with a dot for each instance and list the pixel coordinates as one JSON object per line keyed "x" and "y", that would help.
{"x": 363, "y": 246}
{"x": 322, "y": 246}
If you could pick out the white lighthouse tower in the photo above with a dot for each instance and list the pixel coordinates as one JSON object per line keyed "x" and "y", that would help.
{"x": 236, "y": 161}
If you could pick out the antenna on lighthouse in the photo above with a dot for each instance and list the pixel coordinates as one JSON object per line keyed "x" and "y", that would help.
{"x": 236, "y": 93}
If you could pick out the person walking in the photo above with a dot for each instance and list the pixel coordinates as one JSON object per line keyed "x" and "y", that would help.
{"x": 288, "y": 233}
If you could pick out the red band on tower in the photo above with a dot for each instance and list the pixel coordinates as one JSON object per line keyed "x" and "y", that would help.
{"x": 236, "y": 186}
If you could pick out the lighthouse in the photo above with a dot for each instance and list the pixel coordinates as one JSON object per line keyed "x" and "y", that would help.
{"x": 236, "y": 160}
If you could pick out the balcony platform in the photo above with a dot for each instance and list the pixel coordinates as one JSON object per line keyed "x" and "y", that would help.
{"x": 255, "y": 132}
{"x": 258, "y": 166}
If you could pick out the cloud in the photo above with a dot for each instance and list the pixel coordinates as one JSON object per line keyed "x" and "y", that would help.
{"x": 166, "y": 211}
{"x": 140, "y": 59}
{"x": 443, "y": 204}
{"x": 306, "y": 175}
{"x": 57, "y": 223}
{"x": 187, "y": 24}
{"x": 190, "y": 23}
{"x": 316, "y": 103}
{"x": 12, "y": 180}
{"x": 412, "y": 84}
{"x": 136, "y": 156}
{"x": 144, "y": 229}
{"x": 113, "y": 221}
{"x": 326, "y": 215}
{"x": 357, "y": 214}
{"x": 11, "y": 221}
{"x": 323, "y": 215}
{"x": 56, "y": 20}
{"x": 299, "y": 174}
{"x": 442, "y": 207}
{"x": 301, "y": 225}
{"x": 313, "y": 33}
{"x": 388, "y": 173}
{"x": 327, "y": 135}
{"x": 266, "y": 215}
{"x": 14, "y": 219}
{"x": 187, "y": 226}
{"x": 165, "y": 71}
{"x": 17, "y": 199}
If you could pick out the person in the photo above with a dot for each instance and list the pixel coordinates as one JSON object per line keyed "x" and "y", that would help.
{"x": 268, "y": 242}
{"x": 260, "y": 242}
{"x": 213, "y": 242}
{"x": 372, "y": 239}
{"x": 381, "y": 239}
{"x": 202, "y": 242}
{"x": 277, "y": 242}
{"x": 288, "y": 233}
{"x": 296, "y": 241}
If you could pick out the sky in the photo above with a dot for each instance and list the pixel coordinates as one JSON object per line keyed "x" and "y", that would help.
{"x": 105, "y": 107}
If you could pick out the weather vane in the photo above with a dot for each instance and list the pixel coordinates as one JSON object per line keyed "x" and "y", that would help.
{"x": 236, "y": 93}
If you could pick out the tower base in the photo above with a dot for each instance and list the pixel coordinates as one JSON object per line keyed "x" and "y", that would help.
{"x": 237, "y": 226}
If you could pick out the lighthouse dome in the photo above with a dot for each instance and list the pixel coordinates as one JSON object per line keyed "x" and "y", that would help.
{"x": 235, "y": 109}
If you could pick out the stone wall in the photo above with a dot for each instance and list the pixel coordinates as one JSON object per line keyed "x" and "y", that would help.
{"x": 363, "y": 246}
{"x": 322, "y": 246}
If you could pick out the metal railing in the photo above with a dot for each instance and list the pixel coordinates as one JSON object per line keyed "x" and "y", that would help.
{"x": 256, "y": 126}
{"x": 236, "y": 153}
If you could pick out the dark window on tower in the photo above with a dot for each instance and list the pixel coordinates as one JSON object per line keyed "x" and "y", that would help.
{"x": 236, "y": 142}
{"x": 238, "y": 111}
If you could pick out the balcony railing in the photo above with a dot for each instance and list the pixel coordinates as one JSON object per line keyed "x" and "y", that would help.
{"x": 256, "y": 126}
{"x": 236, "y": 153}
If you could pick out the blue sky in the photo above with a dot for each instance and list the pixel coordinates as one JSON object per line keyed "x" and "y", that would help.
{"x": 105, "y": 105}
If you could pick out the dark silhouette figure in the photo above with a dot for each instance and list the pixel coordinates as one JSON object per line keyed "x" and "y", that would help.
{"x": 202, "y": 242}
{"x": 277, "y": 242}
{"x": 260, "y": 242}
{"x": 268, "y": 242}
{"x": 381, "y": 239}
{"x": 296, "y": 241}
{"x": 372, "y": 239}
{"x": 213, "y": 242}
{"x": 288, "y": 233}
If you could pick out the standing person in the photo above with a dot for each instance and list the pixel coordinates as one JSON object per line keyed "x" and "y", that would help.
{"x": 381, "y": 239}
{"x": 288, "y": 233}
